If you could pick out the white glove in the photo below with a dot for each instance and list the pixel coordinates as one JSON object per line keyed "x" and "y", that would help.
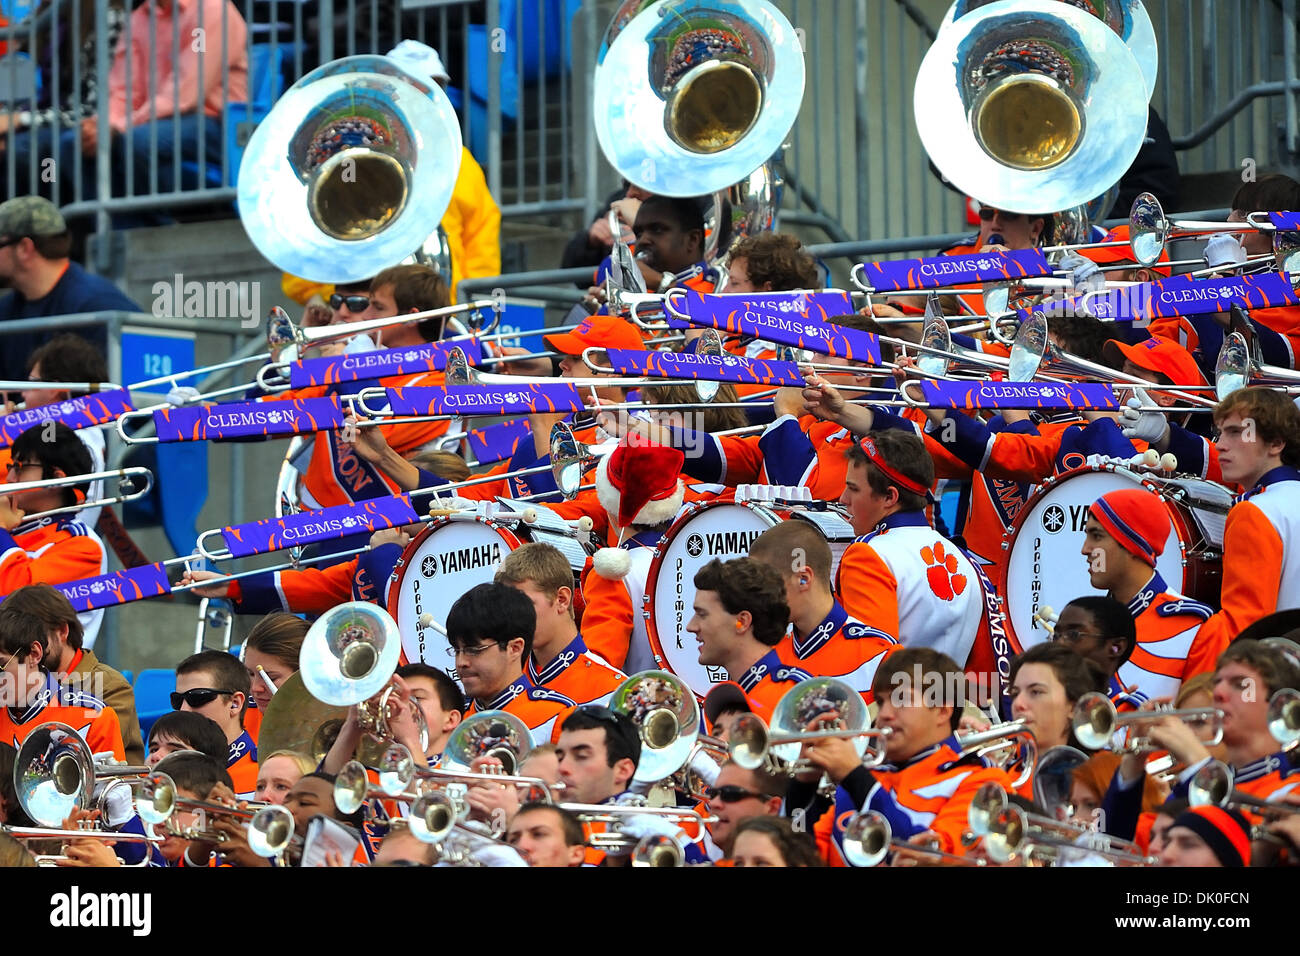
{"x": 705, "y": 767}
{"x": 1085, "y": 275}
{"x": 119, "y": 804}
{"x": 359, "y": 343}
{"x": 1147, "y": 426}
{"x": 182, "y": 395}
{"x": 1224, "y": 248}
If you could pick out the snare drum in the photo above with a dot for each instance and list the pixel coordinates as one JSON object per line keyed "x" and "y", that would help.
{"x": 453, "y": 555}
{"x": 1044, "y": 566}
{"x": 703, "y": 532}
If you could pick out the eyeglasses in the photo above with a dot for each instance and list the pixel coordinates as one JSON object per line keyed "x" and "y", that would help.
{"x": 355, "y": 303}
{"x": 1074, "y": 635}
{"x": 471, "y": 651}
{"x": 732, "y": 794}
{"x": 196, "y": 696}
{"x": 988, "y": 212}
{"x": 20, "y": 465}
{"x": 599, "y": 712}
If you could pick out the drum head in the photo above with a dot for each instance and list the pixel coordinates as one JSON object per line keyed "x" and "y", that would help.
{"x": 443, "y": 562}
{"x": 722, "y": 531}
{"x": 1045, "y": 565}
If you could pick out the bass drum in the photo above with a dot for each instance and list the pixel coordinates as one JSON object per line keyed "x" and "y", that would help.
{"x": 705, "y": 531}
{"x": 1045, "y": 566}
{"x": 453, "y": 555}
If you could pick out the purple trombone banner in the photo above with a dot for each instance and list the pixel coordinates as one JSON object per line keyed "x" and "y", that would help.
{"x": 966, "y": 395}
{"x": 1180, "y": 295}
{"x": 327, "y": 524}
{"x": 381, "y": 363}
{"x": 80, "y": 412}
{"x": 705, "y": 309}
{"x": 120, "y": 587}
{"x": 240, "y": 419}
{"x": 710, "y": 368}
{"x": 498, "y": 442}
{"x": 485, "y": 399}
{"x": 899, "y": 275}
{"x": 785, "y": 325}
{"x": 1285, "y": 221}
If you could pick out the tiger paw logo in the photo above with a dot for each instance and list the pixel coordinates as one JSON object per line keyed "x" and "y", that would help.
{"x": 941, "y": 570}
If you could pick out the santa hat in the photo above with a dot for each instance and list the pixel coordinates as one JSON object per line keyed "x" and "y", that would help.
{"x": 638, "y": 483}
{"x": 1137, "y": 519}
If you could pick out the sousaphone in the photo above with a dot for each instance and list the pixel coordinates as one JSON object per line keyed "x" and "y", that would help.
{"x": 351, "y": 171}
{"x": 1031, "y": 105}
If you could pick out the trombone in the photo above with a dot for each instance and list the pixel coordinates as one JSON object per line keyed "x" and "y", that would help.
{"x": 1008, "y": 830}
{"x": 1012, "y": 743}
{"x": 53, "y": 833}
{"x": 868, "y": 839}
{"x": 1150, "y": 229}
{"x": 1095, "y": 721}
{"x": 127, "y": 491}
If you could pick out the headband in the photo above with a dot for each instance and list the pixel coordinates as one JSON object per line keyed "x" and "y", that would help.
{"x": 907, "y": 484}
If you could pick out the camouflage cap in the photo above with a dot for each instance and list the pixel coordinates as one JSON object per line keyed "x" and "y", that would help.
{"x": 31, "y": 216}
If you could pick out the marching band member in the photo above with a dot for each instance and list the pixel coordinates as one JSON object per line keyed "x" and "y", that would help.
{"x": 739, "y": 795}
{"x": 669, "y": 234}
{"x": 740, "y": 616}
{"x": 640, "y": 491}
{"x": 901, "y": 576}
{"x": 441, "y": 701}
{"x": 186, "y": 730}
{"x": 772, "y": 841}
{"x": 277, "y": 774}
{"x": 196, "y": 777}
{"x": 926, "y": 783}
{"x": 270, "y": 653}
{"x": 1207, "y": 836}
{"x": 1126, "y": 531}
{"x": 823, "y": 639}
{"x": 724, "y": 702}
{"x": 34, "y": 695}
{"x": 1102, "y": 630}
{"x": 559, "y": 660}
{"x": 547, "y": 835}
{"x": 215, "y": 684}
{"x": 490, "y": 634}
{"x": 1247, "y": 675}
{"x": 76, "y": 665}
{"x": 1259, "y": 450}
{"x": 1046, "y": 682}
{"x": 598, "y": 750}
{"x": 55, "y": 549}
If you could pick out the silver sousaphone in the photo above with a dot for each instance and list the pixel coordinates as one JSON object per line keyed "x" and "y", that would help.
{"x": 1031, "y": 105}
{"x": 351, "y": 171}
{"x": 692, "y": 96}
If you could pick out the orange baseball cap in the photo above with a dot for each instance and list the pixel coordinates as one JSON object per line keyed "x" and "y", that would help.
{"x": 1158, "y": 355}
{"x": 597, "y": 331}
{"x": 1113, "y": 255}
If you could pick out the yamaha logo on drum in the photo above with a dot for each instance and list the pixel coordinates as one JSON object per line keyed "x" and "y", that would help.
{"x": 723, "y": 542}
{"x": 1053, "y": 519}
{"x": 463, "y": 559}
{"x": 695, "y": 545}
{"x": 429, "y": 566}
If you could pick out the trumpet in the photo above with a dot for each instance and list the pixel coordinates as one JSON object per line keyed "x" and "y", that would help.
{"x": 127, "y": 490}
{"x": 1284, "y": 716}
{"x": 1096, "y": 720}
{"x": 53, "y": 833}
{"x": 667, "y": 718}
{"x": 868, "y": 839}
{"x": 619, "y": 843}
{"x": 1011, "y": 743}
{"x": 830, "y": 705}
{"x": 1008, "y": 830}
{"x": 1212, "y": 786}
{"x": 270, "y": 826}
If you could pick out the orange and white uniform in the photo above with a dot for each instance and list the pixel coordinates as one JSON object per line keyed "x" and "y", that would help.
{"x": 840, "y": 647}
{"x": 913, "y": 585}
{"x": 54, "y": 550}
{"x": 538, "y": 707}
{"x": 241, "y": 764}
{"x": 97, "y": 724}
{"x": 1261, "y": 560}
{"x": 766, "y": 682}
{"x": 1169, "y": 647}
{"x": 613, "y": 626}
{"x": 578, "y": 674}
{"x": 931, "y": 791}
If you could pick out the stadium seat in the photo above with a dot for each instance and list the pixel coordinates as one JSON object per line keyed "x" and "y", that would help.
{"x": 153, "y": 690}
{"x": 129, "y": 675}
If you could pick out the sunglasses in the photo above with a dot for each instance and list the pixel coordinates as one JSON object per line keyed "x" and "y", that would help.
{"x": 355, "y": 303}
{"x": 196, "y": 697}
{"x": 732, "y": 794}
{"x": 988, "y": 212}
